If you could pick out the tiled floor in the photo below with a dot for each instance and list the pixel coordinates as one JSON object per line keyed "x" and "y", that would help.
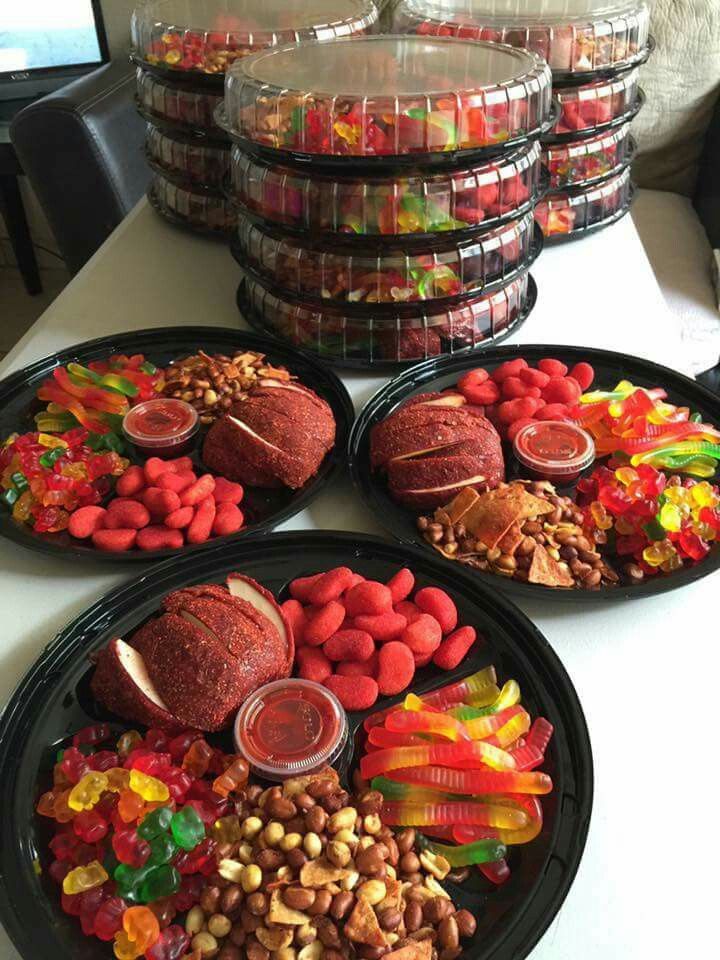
{"x": 18, "y": 311}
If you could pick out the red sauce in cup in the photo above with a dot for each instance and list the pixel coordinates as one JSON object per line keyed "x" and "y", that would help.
{"x": 162, "y": 427}
{"x": 554, "y": 450}
{"x": 289, "y": 728}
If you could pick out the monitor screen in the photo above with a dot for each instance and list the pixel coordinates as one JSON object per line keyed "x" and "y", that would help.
{"x": 37, "y": 35}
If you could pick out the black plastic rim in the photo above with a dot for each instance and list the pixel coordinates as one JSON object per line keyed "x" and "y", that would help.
{"x": 351, "y": 363}
{"x": 53, "y": 700}
{"x": 180, "y": 130}
{"x": 177, "y": 221}
{"x": 438, "y": 374}
{"x": 16, "y": 408}
{"x": 183, "y": 180}
{"x": 594, "y": 181}
{"x": 553, "y": 139}
{"x": 569, "y": 78}
{"x": 582, "y": 232}
{"x": 196, "y": 82}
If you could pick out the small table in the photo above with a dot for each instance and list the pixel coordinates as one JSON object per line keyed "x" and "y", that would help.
{"x": 11, "y": 204}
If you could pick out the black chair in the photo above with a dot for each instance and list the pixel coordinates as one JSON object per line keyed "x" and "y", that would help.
{"x": 82, "y": 150}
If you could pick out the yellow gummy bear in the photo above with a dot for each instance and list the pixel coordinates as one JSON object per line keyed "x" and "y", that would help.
{"x": 124, "y": 948}
{"x": 86, "y": 792}
{"x": 671, "y": 517}
{"x": 703, "y": 494}
{"x": 149, "y": 788}
{"x": 85, "y": 877}
{"x": 626, "y": 475}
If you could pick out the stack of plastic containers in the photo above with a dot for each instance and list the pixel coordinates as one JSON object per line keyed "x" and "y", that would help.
{"x": 183, "y": 49}
{"x": 594, "y": 48}
{"x": 386, "y": 188}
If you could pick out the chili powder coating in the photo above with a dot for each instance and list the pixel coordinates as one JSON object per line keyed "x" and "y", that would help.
{"x": 290, "y": 727}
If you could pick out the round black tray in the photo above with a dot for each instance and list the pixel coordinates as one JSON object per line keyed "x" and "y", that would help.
{"x": 264, "y": 509}
{"x": 432, "y": 375}
{"x": 557, "y": 238}
{"x": 354, "y": 363}
{"x": 181, "y": 130}
{"x": 54, "y": 700}
{"x": 553, "y": 139}
{"x": 175, "y": 220}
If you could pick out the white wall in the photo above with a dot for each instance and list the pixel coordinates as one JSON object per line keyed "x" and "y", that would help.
{"x": 116, "y": 14}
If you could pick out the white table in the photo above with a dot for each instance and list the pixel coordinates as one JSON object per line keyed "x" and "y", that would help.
{"x": 646, "y": 884}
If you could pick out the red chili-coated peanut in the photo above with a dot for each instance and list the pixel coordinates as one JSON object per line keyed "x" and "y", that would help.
{"x": 296, "y": 617}
{"x": 199, "y": 491}
{"x": 356, "y": 578}
{"x": 553, "y": 368}
{"x": 514, "y": 409}
{"x": 554, "y": 411}
{"x": 473, "y": 378}
{"x": 408, "y": 609}
{"x": 300, "y": 588}
{"x": 349, "y": 645}
{"x": 358, "y": 668}
{"x": 313, "y": 664}
{"x": 534, "y": 378}
{"x": 159, "y": 537}
{"x": 511, "y": 368}
{"x": 513, "y": 387}
{"x": 517, "y": 425}
{"x": 228, "y": 519}
{"x": 131, "y": 482}
{"x": 126, "y": 514}
{"x": 368, "y": 597}
{"x": 85, "y": 521}
{"x": 535, "y": 392}
{"x": 482, "y": 394}
{"x": 160, "y": 502}
{"x": 114, "y": 541}
{"x": 401, "y": 585}
{"x": 323, "y": 623}
{"x": 177, "y": 482}
{"x": 227, "y": 492}
{"x": 438, "y": 604}
{"x": 424, "y": 635}
{"x": 584, "y": 374}
{"x": 202, "y": 523}
{"x": 155, "y": 467}
{"x": 396, "y": 668}
{"x": 382, "y": 626}
{"x": 179, "y": 519}
{"x": 453, "y": 649}
{"x": 422, "y": 659}
{"x": 330, "y": 586}
{"x": 562, "y": 390}
{"x": 354, "y": 693}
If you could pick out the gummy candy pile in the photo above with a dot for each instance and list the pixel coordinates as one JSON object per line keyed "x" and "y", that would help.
{"x": 660, "y": 522}
{"x": 460, "y": 763}
{"x": 44, "y": 478}
{"x": 137, "y": 827}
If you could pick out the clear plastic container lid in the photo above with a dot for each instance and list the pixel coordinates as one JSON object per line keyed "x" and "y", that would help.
{"x": 385, "y": 96}
{"x": 177, "y": 106}
{"x": 205, "y": 37}
{"x": 200, "y": 210}
{"x": 595, "y": 106}
{"x": 409, "y": 202}
{"x": 554, "y": 450}
{"x": 573, "y": 36}
{"x": 162, "y": 424}
{"x": 576, "y": 211}
{"x": 414, "y": 331}
{"x": 187, "y": 159}
{"x": 290, "y": 728}
{"x": 586, "y": 161}
{"x": 351, "y": 272}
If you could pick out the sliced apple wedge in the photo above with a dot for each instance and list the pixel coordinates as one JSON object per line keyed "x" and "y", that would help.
{"x": 421, "y": 453}
{"x": 449, "y": 400}
{"x": 245, "y": 588}
{"x": 256, "y": 436}
{"x": 448, "y": 486}
{"x": 122, "y": 683}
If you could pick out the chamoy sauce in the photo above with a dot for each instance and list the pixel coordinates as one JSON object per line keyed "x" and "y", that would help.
{"x": 554, "y": 450}
{"x": 161, "y": 428}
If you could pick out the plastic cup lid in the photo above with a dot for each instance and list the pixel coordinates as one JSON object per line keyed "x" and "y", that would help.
{"x": 554, "y": 447}
{"x": 161, "y": 422}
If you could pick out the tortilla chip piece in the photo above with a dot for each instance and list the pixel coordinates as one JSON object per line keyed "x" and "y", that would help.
{"x": 296, "y": 785}
{"x": 511, "y": 539}
{"x": 546, "y": 570}
{"x": 417, "y": 950}
{"x": 393, "y": 896}
{"x": 280, "y": 912}
{"x": 316, "y": 873}
{"x": 363, "y": 925}
{"x": 496, "y": 511}
{"x": 458, "y": 506}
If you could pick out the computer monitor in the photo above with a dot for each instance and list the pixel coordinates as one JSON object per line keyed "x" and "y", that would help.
{"x": 46, "y": 43}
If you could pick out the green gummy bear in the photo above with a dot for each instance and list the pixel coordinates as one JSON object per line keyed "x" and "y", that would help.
{"x": 187, "y": 828}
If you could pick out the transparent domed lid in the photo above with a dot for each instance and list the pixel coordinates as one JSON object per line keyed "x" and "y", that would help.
{"x": 574, "y": 36}
{"x": 206, "y": 36}
{"x": 387, "y": 96}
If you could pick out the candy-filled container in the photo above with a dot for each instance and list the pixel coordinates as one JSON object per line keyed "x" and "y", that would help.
{"x": 408, "y": 202}
{"x": 596, "y": 106}
{"x": 198, "y": 208}
{"x": 586, "y": 161}
{"x": 187, "y": 158}
{"x": 358, "y": 336}
{"x": 380, "y": 97}
{"x": 554, "y": 450}
{"x": 365, "y": 273}
{"x": 578, "y": 210}
{"x": 204, "y": 37}
{"x": 178, "y": 106}
{"x": 575, "y": 37}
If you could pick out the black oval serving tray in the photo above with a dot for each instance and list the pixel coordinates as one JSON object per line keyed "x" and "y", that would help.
{"x": 439, "y": 374}
{"x": 263, "y": 509}
{"x": 54, "y": 700}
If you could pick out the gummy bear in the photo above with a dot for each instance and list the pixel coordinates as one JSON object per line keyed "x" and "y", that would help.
{"x": 129, "y": 848}
{"x": 234, "y": 777}
{"x": 172, "y": 944}
{"x": 128, "y": 742}
{"x": 227, "y": 829}
{"x": 187, "y": 828}
{"x": 85, "y": 877}
{"x": 149, "y": 788}
{"x": 155, "y": 823}
{"x": 141, "y": 926}
{"x": 86, "y": 793}
{"x": 197, "y": 760}
{"x": 162, "y": 882}
{"x": 92, "y": 735}
{"x": 108, "y": 920}
{"x": 90, "y": 826}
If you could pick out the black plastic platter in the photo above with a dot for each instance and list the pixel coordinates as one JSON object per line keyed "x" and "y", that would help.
{"x": 440, "y": 374}
{"x": 264, "y": 509}
{"x": 54, "y": 700}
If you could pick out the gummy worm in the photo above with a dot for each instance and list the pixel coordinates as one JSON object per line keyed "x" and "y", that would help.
{"x": 507, "y": 697}
{"x": 380, "y": 737}
{"x": 467, "y": 833}
{"x": 473, "y": 753}
{"x": 678, "y": 449}
{"x": 423, "y": 721}
{"x": 472, "y": 781}
{"x": 480, "y": 851}
{"x": 392, "y": 790}
{"x": 417, "y": 814}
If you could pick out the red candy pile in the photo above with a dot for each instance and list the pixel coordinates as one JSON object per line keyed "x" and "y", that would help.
{"x": 361, "y": 638}
{"x": 162, "y": 505}
{"x": 515, "y": 393}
